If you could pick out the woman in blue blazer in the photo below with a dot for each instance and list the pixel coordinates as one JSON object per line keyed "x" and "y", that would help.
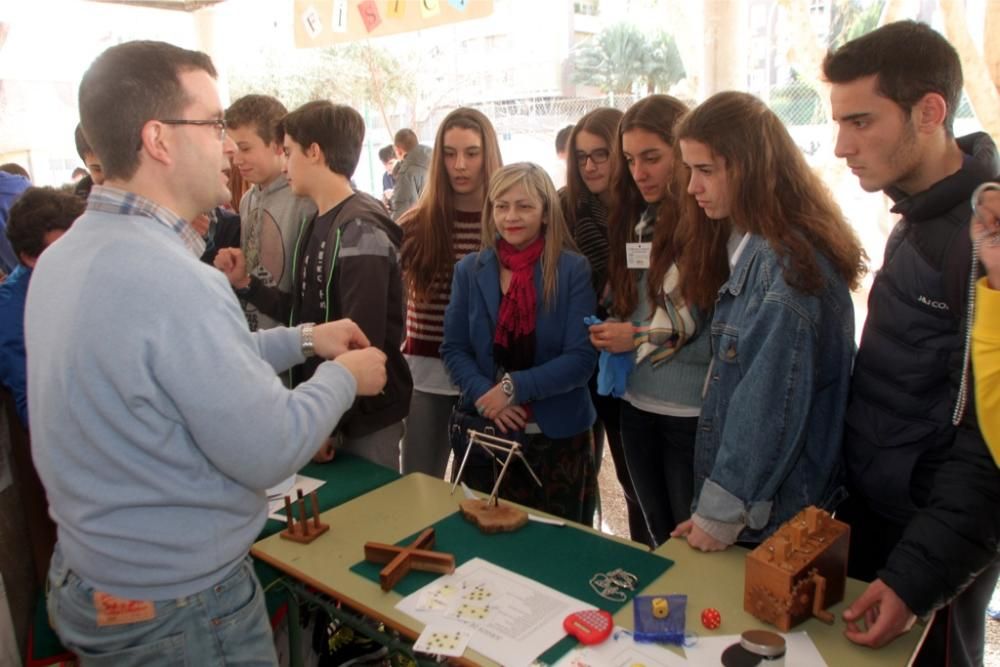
{"x": 516, "y": 344}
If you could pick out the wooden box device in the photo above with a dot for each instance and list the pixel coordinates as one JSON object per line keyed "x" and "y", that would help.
{"x": 798, "y": 571}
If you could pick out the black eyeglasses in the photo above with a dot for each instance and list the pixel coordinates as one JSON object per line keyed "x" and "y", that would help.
{"x": 218, "y": 123}
{"x": 599, "y": 156}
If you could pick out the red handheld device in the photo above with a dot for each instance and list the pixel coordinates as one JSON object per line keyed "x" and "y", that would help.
{"x": 589, "y": 627}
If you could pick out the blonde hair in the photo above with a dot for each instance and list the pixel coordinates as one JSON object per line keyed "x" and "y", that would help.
{"x": 557, "y": 237}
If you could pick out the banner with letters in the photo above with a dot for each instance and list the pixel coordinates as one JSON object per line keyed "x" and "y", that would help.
{"x": 328, "y": 22}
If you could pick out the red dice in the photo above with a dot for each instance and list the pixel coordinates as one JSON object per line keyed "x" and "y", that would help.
{"x": 711, "y": 618}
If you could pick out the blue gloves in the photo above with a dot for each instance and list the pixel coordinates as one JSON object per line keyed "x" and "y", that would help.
{"x": 613, "y": 369}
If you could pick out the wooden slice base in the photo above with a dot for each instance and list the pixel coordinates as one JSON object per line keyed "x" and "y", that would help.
{"x": 493, "y": 518}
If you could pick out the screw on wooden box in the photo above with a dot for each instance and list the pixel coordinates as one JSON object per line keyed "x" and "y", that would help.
{"x": 799, "y": 571}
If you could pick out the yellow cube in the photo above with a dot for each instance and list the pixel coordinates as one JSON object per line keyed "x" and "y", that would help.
{"x": 661, "y": 608}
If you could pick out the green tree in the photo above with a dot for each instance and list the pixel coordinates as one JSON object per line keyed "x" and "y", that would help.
{"x": 375, "y": 76}
{"x": 796, "y": 103}
{"x": 850, "y": 19}
{"x": 663, "y": 64}
{"x": 355, "y": 74}
{"x": 613, "y": 60}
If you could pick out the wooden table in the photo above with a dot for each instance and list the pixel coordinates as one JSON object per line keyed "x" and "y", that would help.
{"x": 396, "y": 510}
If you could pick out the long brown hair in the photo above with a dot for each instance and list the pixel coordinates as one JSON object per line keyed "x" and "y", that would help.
{"x": 774, "y": 194}
{"x": 426, "y": 254}
{"x": 557, "y": 237}
{"x": 601, "y": 122}
{"x": 656, "y": 114}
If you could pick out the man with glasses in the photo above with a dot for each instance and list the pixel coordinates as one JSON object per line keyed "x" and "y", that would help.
{"x": 157, "y": 417}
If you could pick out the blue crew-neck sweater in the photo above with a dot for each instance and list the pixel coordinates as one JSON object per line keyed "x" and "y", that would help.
{"x": 157, "y": 418}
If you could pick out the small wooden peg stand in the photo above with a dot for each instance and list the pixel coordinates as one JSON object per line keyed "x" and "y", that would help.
{"x": 416, "y": 555}
{"x": 305, "y": 530}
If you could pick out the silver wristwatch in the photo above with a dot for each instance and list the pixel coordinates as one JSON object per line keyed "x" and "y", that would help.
{"x": 507, "y": 387}
{"x": 308, "y": 348}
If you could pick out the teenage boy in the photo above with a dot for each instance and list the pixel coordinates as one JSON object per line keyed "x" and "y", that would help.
{"x": 271, "y": 214}
{"x": 923, "y": 506}
{"x": 410, "y": 178}
{"x": 37, "y": 219}
{"x": 88, "y": 156}
{"x": 387, "y": 156}
{"x": 347, "y": 266}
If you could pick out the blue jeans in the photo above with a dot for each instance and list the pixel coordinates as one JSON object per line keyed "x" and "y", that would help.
{"x": 659, "y": 452}
{"x": 226, "y": 624}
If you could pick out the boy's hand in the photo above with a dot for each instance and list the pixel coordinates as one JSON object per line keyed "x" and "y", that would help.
{"x": 232, "y": 263}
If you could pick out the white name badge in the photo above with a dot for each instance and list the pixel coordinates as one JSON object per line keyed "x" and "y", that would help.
{"x": 637, "y": 255}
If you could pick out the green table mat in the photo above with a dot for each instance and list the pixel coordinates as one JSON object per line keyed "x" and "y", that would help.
{"x": 560, "y": 557}
{"x": 346, "y": 477}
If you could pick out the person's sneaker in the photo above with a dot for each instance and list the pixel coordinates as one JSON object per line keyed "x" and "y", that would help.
{"x": 346, "y": 648}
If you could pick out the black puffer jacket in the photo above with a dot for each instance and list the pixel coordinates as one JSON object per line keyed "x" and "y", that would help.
{"x": 902, "y": 453}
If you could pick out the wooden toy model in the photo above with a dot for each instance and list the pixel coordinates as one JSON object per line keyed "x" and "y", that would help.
{"x": 305, "y": 530}
{"x": 416, "y": 555}
{"x": 798, "y": 571}
{"x": 488, "y": 514}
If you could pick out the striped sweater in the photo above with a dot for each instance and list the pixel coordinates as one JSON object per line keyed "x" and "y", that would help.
{"x": 425, "y": 319}
{"x": 591, "y": 236}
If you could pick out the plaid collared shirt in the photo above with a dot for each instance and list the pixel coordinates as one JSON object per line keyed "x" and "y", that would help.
{"x": 107, "y": 199}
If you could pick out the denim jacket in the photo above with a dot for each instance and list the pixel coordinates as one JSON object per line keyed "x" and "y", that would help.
{"x": 769, "y": 438}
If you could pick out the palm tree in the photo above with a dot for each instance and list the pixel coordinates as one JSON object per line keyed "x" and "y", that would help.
{"x": 613, "y": 60}
{"x": 663, "y": 65}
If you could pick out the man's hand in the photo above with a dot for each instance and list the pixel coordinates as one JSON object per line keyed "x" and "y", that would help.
{"x": 986, "y": 226}
{"x": 332, "y": 339}
{"x": 613, "y": 336}
{"x": 368, "y": 368}
{"x": 877, "y": 617}
{"x": 232, "y": 263}
{"x": 698, "y": 538}
{"x": 492, "y": 403}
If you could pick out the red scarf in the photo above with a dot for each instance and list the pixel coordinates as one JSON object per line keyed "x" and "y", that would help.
{"x": 516, "y": 318}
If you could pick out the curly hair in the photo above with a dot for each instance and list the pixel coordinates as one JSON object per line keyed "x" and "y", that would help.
{"x": 37, "y": 212}
{"x": 261, "y": 111}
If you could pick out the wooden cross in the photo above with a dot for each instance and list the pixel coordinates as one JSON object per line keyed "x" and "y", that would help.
{"x": 416, "y": 555}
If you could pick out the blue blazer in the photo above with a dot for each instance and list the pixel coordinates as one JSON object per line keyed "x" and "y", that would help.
{"x": 556, "y": 386}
